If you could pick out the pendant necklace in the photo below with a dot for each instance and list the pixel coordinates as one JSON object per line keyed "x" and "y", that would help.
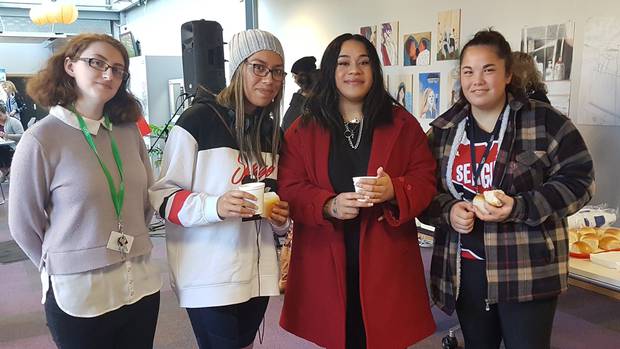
{"x": 349, "y": 133}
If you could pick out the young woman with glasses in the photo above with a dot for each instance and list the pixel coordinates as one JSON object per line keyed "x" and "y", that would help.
{"x": 222, "y": 255}
{"x": 79, "y": 206}
{"x": 356, "y": 278}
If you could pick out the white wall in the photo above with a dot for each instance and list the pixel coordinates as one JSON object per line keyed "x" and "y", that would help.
{"x": 23, "y": 59}
{"x": 158, "y": 24}
{"x": 306, "y": 27}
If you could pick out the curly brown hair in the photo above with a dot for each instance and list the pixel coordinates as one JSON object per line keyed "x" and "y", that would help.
{"x": 525, "y": 68}
{"x": 53, "y": 86}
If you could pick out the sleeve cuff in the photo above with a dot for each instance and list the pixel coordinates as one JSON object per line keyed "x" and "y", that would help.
{"x": 282, "y": 229}
{"x": 211, "y": 210}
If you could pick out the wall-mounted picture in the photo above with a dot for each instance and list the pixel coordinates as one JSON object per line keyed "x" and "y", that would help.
{"x": 428, "y": 96}
{"x": 454, "y": 83}
{"x": 388, "y": 43}
{"x": 417, "y": 49}
{"x": 401, "y": 88}
{"x": 448, "y": 34}
{"x": 599, "y": 94}
{"x": 370, "y": 33}
{"x": 551, "y": 46}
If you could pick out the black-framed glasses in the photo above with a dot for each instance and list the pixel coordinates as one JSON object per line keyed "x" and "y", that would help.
{"x": 100, "y": 65}
{"x": 261, "y": 70}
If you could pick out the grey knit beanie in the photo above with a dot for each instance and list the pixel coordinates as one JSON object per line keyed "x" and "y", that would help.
{"x": 248, "y": 42}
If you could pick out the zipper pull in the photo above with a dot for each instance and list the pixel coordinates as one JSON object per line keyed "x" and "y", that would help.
{"x": 487, "y": 307}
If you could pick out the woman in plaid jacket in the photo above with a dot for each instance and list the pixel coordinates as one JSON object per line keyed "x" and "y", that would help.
{"x": 502, "y": 270}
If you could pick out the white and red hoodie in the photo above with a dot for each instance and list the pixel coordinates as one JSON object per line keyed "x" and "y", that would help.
{"x": 213, "y": 262}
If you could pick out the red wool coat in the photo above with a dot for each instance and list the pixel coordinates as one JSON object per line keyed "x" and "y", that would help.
{"x": 394, "y": 297}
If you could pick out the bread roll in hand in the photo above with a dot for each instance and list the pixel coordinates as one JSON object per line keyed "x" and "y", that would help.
{"x": 490, "y": 198}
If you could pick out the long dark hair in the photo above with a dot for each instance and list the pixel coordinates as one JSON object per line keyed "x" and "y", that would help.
{"x": 496, "y": 41}
{"x": 322, "y": 105}
{"x": 53, "y": 86}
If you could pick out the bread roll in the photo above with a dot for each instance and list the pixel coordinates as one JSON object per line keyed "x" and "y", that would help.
{"x": 573, "y": 235}
{"x": 609, "y": 243}
{"x": 491, "y": 198}
{"x": 585, "y": 231}
{"x": 479, "y": 203}
{"x": 591, "y": 240}
{"x": 580, "y": 247}
{"x": 615, "y": 232}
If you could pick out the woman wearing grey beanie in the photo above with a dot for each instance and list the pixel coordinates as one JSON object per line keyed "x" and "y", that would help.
{"x": 221, "y": 251}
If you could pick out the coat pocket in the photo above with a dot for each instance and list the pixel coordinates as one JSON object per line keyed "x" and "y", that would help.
{"x": 529, "y": 170}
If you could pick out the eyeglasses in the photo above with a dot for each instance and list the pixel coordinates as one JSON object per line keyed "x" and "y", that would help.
{"x": 261, "y": 70}
{"x": 100, "y": 65}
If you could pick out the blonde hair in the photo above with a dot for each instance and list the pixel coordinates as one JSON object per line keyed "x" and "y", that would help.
{"x": 233, "y": 97}
{"x": 9, "y": 87}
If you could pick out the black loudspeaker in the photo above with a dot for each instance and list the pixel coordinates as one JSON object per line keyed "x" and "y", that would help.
{"x": 203, "y": 56}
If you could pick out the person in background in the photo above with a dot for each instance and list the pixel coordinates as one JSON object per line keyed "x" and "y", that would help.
{"x": 14, "y": 103}
{"x": 528, "y": 77}
{"x": 502, "y": 268}
{"x": 224, "y": 265}
{"x": 305, "y": 76}
{"x": 10, "y": 130}
{"x": 356, "y": 278}
{"x": 79, "y": 200}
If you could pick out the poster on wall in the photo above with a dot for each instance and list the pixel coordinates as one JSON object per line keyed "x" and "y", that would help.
{"x": 428, "y": 96}
{"x": 448, "y": 34}
{"x": 388, "y": 43}
{"x": 599, "y": 93}
{"x": 370, "y": 33}
{"x": 454, "y": 84}
{"x": 401, "y": 88}
{"x": 2, "y": 74}
{"x": 417, "y": 49}
{"x": 551, "y": 47}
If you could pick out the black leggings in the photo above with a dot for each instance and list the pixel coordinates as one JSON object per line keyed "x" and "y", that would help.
{"x": 520, "y": 325}
{"x": 131, "y": 326}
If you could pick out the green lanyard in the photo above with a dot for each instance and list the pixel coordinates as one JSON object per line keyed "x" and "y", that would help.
{"x": 117, "y": 196}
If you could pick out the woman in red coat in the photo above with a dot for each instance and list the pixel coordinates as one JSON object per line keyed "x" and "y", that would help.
{"x": 356, "y": 278}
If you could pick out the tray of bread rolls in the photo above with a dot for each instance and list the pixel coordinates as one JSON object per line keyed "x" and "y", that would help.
{"x": 584, "y": 242}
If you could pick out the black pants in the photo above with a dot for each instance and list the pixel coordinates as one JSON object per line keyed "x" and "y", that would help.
{"x": 131, "y": 326}
{"x": 355, "y": 331}
{"x": 230, "y": 326}
{"x": 520, "y": 325}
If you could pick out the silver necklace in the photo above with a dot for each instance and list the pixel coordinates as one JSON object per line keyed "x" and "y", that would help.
{"x": 348, "y": 132}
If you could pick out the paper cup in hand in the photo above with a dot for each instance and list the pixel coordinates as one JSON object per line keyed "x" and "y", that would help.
{"x": 358, "y": 189}
{"x": 270, "y": 199}
{"x": 257, "y": 189}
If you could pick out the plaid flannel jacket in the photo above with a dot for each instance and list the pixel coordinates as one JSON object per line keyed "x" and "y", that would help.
{"x": 544, "y": 164}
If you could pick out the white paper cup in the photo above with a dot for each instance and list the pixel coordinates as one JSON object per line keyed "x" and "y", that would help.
{"x": 257, "y": 189}
{"x": 358, "y": 189}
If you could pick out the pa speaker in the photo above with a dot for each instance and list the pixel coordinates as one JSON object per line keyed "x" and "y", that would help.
{"x": 203, "y": 56}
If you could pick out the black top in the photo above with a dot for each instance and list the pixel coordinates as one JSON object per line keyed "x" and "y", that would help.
{"x": 345, "y": 163}
{"x": 538, "y": 95}
{"x": 294, "y": 110}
